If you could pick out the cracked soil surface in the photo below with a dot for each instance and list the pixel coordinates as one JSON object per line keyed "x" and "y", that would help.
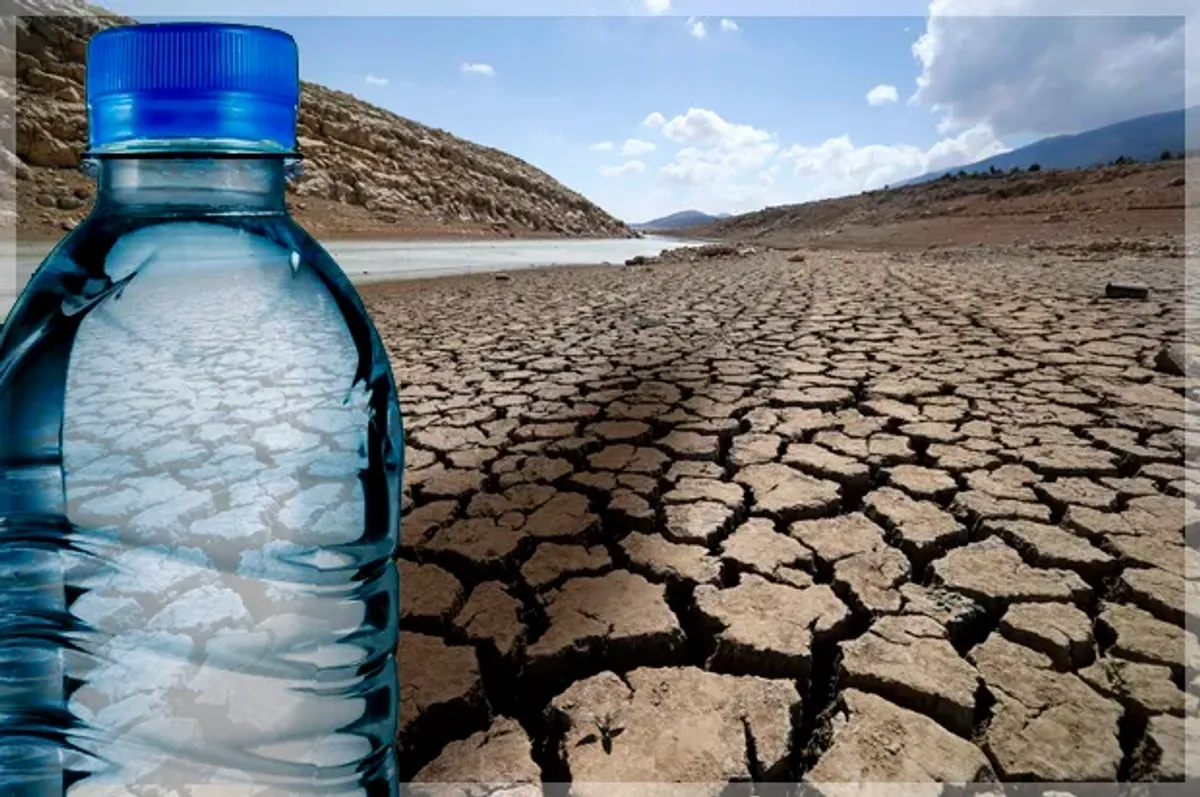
{"x": 864, "y": 517}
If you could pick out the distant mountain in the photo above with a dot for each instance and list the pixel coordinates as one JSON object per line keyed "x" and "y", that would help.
{"x": 677, "y": 221}
{"x": 1142, "y": 139}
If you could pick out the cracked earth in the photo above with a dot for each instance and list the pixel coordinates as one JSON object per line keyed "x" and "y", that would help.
{"x": 865, "y": 517}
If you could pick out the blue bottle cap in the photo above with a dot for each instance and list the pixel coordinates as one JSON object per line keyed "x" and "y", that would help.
{"x": 154, "y": 85}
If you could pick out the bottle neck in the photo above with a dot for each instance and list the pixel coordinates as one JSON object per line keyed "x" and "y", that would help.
{"x": 206, "y": 185}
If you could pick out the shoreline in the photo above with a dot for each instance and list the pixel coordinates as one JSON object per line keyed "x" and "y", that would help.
{"x": 387, "y": 283}
{"x": 450, "y": 235}
{"x": 51, "y": 237}
{"x": 383, "y": 285}
{"x": 27, "y": 250}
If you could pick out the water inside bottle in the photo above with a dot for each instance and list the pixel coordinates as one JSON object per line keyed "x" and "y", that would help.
{"x": 210, "y": 558}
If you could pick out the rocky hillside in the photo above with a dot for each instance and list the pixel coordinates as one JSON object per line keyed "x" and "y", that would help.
{"x": 1040, "y": 209}
{"x": 366, "y": 171}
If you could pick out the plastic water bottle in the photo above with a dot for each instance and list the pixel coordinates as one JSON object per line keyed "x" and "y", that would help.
{"x": 200, "y": 459}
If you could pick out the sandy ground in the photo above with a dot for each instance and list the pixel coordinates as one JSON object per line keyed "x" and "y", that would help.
{"x": 866, "y": 517}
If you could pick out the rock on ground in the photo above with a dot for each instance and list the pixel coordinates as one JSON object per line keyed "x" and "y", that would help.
{"x": 615, "y": 618}
{"x": 553, "y": 562}
{"x": 681, "y": 725}
{"x": 1065, "y": 460}
{"x": 825, "y": 464}
{"x": 492, "y": 616}
{"x": 922, "y": 527}
{"x": 975, "y": 506}
{"x": 995, "y": 575}
{"x": 496, "y": 761}
{"x": 428, "y": 594}
{"x": 836, "y": 538}
{"x": 1146, "y": 688}
{"x": 768, "y": 629}
{"x": 1061, "y": 631}
{"x": 441, "y": 687}
{"x": 476, "y": 544}
{"x": 784, "y": 492}
{"x": 1173, "y": 743}
{"x": 952, "y": 610}
{"x": 756, "y": 547}
{"x": 922, "y": 483}
{"x": 864, "y": 568}
{"x": 869, "y": 580}
{"x": 1141, "y": 637}
{"x": 660, "y": 559}
{"x": 1046, "y": 725}
{"x": 874, "y": 741}
{"x": 910, "y": 661}
{"x": 1167, "y": 596}
{"x": 1043, "y": 545}
{"x": 698, "y": 523}
{"x": 690, "y": 489}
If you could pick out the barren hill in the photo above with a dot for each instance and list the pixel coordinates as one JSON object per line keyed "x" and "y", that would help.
{"x": 366, "y": 170}
{"x": 1142, "y": 138}
{"x": 1098, "y": 207}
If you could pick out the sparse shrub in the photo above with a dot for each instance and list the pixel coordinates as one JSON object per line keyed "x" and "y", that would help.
{"x": 993, "y": 170}
{"x": 1166, "y": 155}
{"x": 1023, "y": 188}
{"x": 1122, "y": 161}
{"x": 1036, "y": 167}
{"x": 962, "y": 172}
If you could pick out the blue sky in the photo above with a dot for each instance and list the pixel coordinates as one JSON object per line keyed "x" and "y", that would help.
{"x": 728, "y": 113}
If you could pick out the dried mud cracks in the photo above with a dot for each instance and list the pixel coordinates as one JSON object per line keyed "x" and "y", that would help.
{"x": 853, "y": 519}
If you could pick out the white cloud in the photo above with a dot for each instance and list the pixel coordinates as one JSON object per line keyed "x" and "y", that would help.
{"x": 702, "y": 127}
{"x": 634, "y": 147}
{"x": 882, "y": 95}
{"x": 972, "y": 144}
{"x": 715, "y": 152}
{"x": 629, "y": 167}
{"x": 602, "y": 146}
{"x": 1044, "y": 75}
{"x": 375, "y": 80}
{"x": 486, "y": 70}
{"x": 655, "y": 120}
{"x": 658, "y": 6}
{"x": 838, "y": 167}
{"x": 712, "y": 167}
{"x": 696, "y": 28}
{"x": 729, "y": 26}
{"x": 735, "y": 167}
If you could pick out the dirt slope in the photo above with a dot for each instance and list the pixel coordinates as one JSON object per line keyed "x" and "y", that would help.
{"x": 366, "y": 170}
{"x": 1060, "y": 209}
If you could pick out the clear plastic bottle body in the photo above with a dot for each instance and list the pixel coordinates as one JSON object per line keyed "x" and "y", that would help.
{"x": 200, "y": 463}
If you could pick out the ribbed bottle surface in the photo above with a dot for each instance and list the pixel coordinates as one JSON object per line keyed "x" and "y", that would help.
{"x": 188, "y": 81}
{"x": 196, "y": 583}
{"x": 185, "y": 57}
